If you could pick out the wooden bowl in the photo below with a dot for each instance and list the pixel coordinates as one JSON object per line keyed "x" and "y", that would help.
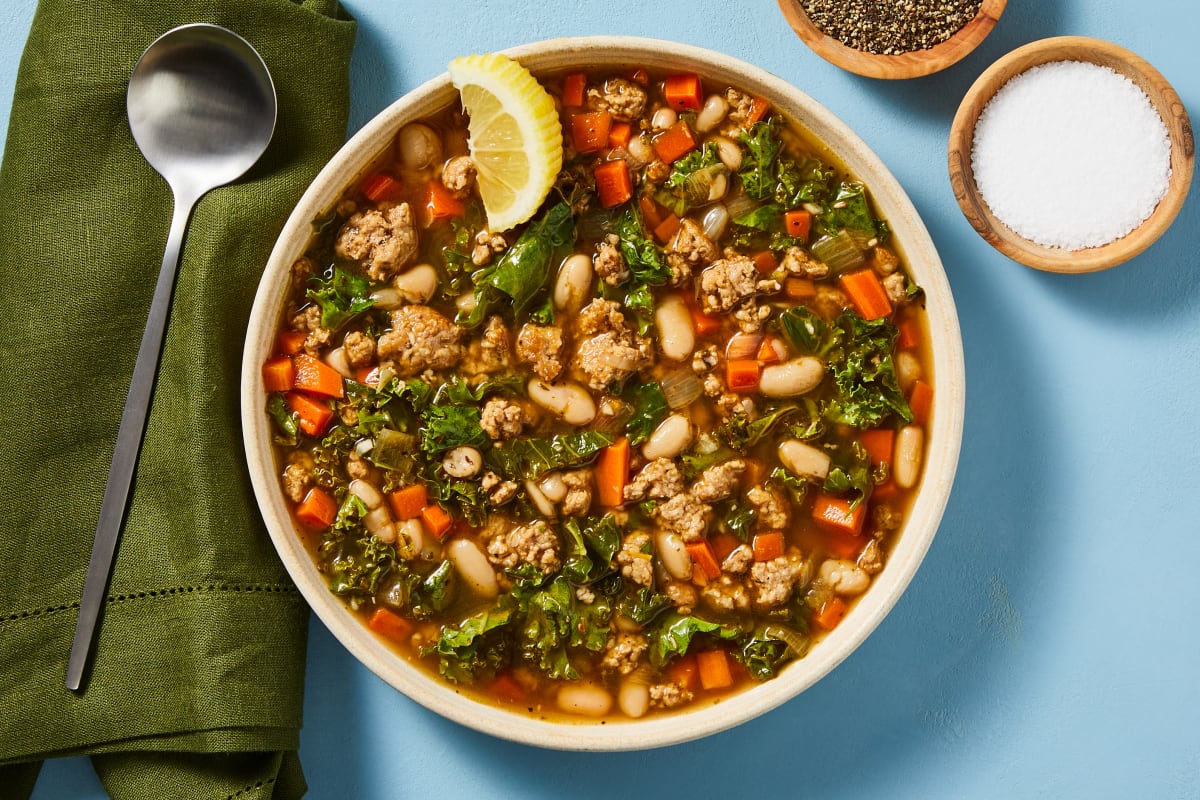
{"x": 913, "y": 64}
{"x": 1070, "y": 48}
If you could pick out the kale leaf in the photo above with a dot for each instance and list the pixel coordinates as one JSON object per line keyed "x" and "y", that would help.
{"x": 758, "y": 168}
{"x": 522, "y": 459}
{"x": 851, "y": 473}
{"x": 644, "y": 258}
{"x": 591, "y": 545}
{"x": 643, "y": 605}
{"x": 741, "y": 433}
{"x": 864, "y": 373}
{"x": 649, "y": 409}
{"x": 475, "y": 647}
{"x": 287, "y": 429}
{"x": 342, "y": 296}
{"x": 355, "y": 561}
{"x": 673, "y": 635}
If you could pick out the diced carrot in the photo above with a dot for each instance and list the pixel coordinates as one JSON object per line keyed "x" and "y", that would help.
{"x": 589, "y": 131}
{"x": 684, "y": 672}
{"x": 867, "y": 293}
{"x": 834, "y": 514}
{"x": 389, "y": 624}
{"x": 317, "y": 510}
{"x": 885, "y": 491}
{"x": 619, "y": 134}
{"x": 684, "y": 92}
{"x": 920, "y": 400}
{"x": 741, "y": 375}
{"x": 504, "y": 687}
{"x": 755, "y": 471}
{"x": 278, "y": 374}
{"x": 379, "y": 186}
{"x": 765, "y": 261}
{"x": 723, "y": 544}
{"x": 878, "y": 442}
{"x": 910, "y": 333}
{"x": 704, "y": 560}
{"x": 651, "y": 211}
{"x": 438, "y": 203}
{"x": 771, "y": 350}
{"x": 846, "y": 545}
{"x": 713, "y": 666}
{"x": 797, "y": 222}
{"x": 674, "y": 142}
{"x": 573, "y": 88}
{"x": 291, "y": 342}
{"x": 612, "y": 473}
{"x": 613, "y": 183}
{"x": 367, "y": 375}
{"x": 800, "y": 288}
{"x": 758, "y": 107}
{"x": 314, "y": 415}
{"x": 409, "y": 501}
{"x": 639, "y": 75}
{"x": 314, "y": 375}
{"x": 704, "y": 324}
{"x": 768, "y": 546}
{"x": 436, "y": 520}
{"x": 665, "y": 231}
{"x": 830, "y": 613}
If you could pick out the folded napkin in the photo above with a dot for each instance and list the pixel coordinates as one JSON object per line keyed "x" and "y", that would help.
{"x": 196, "y": 686}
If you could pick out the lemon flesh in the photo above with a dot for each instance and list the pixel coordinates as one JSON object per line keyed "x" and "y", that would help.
{"x": 515, "y": 136}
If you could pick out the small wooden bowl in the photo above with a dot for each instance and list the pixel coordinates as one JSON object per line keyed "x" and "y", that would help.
{"x": 906, "y": 65}
{"x": 1070, "y": 48}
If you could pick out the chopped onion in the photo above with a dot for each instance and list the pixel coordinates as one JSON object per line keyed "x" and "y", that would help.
{"x": 739, "y": 205}
{"x": 681, "y": 388}
{"x": 743, "y": 347}
{"x": 813, "y": 208}
{"x": 795, "y": 641}
{"x": 336, "y": 358}
{"x": 716, "y": 220}
{"x": 594, "y": 224}
{"x": 840, "y": 251}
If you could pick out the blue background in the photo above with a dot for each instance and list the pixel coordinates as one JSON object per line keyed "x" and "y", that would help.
{"x": 1048, "y": 646}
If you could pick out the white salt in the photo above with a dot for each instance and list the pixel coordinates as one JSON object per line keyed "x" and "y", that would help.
{"x": 1071, "y": 155}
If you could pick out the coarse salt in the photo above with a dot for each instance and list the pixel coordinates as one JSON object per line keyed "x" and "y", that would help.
{"x": 1071, "y": 155}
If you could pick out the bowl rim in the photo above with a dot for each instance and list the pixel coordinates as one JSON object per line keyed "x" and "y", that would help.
{"x": 1070, "y": 48}
{"x": 944, "y": 435}
{"x": 913, "y": 64}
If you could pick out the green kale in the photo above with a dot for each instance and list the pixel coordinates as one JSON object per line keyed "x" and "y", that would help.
{"x": 864, "y": 373}
{"x": 758, "y": 168}
{"x": 649, "y": 409}
{"x": 287, "y": 429}
{"x": 741, "y": 433}
{"x": 703, "y": 454}
{"x": 851, "y": 474}
{"x": 446, "y": 427}
{"x": 645, "y": 259}
{"x": 640, "y": 300}
{"x": 801, "y": 182}
{"x": 850, "y": 211}
{"x": 691, "y": 179}
{"x": 738, "y": 518}
{"x": 762, "y": 654}
{"x": 591, "y": 545}
{"x": 643, "y": 605}
{"x": 476, "y": 647}
{"x": 342, "y": 296}
{"x": 523, "y": 459}
{"x": 354, "y": 560}
{"x": 673, "y": 635}
{"x": 453, "y": 252}
{"x": 545, "y": 632}
{"x": 795, "y": 487}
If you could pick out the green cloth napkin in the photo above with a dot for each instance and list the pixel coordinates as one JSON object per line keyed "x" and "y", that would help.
{"x": 196, "y": 687}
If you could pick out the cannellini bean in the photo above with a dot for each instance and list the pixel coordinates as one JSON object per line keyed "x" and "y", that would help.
{"x": 410, "y": 538}
{"x": 804, "y": 460}
{"x": 418, "y": 284}
{"x": 553, "y": 486}
{"x": 584, "y": 698}
{"x": 568, "y": 400}
{"x": 633, "y": 698}
{"x": 669, "y": 439}
{"x": 676, "y": 336}
{"x": 910, "y": 446}
{"x": 908, "y": 369}
{"x": 673, "y": 554}
{"x": 388, "y": 298}
{"x": 462, "y": 462}
{"x": 641, "y": 150}
{"x": 544, "y": 506}
{"x": 709, "y": 117}
{"x": 663, "y": 118}
{"x": 729, "y": 152}
{"x": 336, "y": 358}
{"x": 573, "y": 285}
{"x": 379, "y": 523}
{"x": 718, "y": 187}
{"x": 715, "y": 221}
{"x": 418, "y": 146}
{"x": 472, "y": 565}
{"x": 465, "y": 302}
{"x": 843, "y": 577}
{"x": 792, "y": 378}
{"x": 366, "y": 491}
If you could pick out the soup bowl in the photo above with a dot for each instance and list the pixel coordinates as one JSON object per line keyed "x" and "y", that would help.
{"x": 943, "y": 436}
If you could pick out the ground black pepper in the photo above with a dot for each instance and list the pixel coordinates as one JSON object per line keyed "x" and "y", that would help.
{"x": 891, "y": 27}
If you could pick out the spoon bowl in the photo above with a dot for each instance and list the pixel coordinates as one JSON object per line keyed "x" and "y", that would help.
{"x": 202, "y": 110}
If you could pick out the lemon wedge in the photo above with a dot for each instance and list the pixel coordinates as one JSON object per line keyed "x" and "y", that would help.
{"x": 515, "y": 135}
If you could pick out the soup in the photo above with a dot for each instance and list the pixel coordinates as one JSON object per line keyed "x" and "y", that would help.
{"x": 635, "y": 454}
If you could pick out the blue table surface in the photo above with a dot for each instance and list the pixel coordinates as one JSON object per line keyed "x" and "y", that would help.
{"x": 1048, "y": 645}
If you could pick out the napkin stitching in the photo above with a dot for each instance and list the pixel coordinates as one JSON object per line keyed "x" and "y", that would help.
{"x": 250, "y": 788}
{"x": 151, "y": 594}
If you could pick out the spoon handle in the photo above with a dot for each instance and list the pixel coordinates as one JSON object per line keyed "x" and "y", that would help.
{"x": 125, "y": 455}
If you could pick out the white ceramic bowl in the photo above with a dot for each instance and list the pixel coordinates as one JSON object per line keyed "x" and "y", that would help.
{"x": 911, "y": 238}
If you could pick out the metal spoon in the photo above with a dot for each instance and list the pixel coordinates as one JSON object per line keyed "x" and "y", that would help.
{"x": 202, "y": 110}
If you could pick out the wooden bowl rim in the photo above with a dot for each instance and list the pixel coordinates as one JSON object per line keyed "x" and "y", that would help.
{"x": 913, "y": 64}
{"x": 1070, "y": 48}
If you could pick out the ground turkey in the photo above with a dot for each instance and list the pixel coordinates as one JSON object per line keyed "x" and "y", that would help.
{"x": 636, "y": 564}
{"x": 772, "y": 582}
{"x": 459, "y": 175}
{"x": 541, "y": 346}
{"x": 609, "y": 358}
{"x": 502, "y": 418}
{"x": 718, "y": 481}
{"x": 382, "y": 239}
{"x": 608, "y": 262}
{"x": 535, "y": 543}
{"x": 624, "y": 652}
{"x": 659, "y": 479}
{"x": 685, "y": 515}
{"x": 622, "y": 98}
{"x": 420, "y": 339}
{"x": 690, "y": 249}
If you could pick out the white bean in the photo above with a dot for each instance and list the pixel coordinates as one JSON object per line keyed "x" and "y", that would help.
{"x": 366, "y": 491}
{"x": 908, "y": 369}
{"x": 465, "y": 302}
{"x": 673, "y": 554}
{"x": 676, "y": 336}
{"x": 642, "y": 152}
{"x": 669, "y": 439}
{"x": 379, "y": 523}
{"x": 474, "y": 568}
{"x": 584, "y": 698}
{"x": 553, "y": 486}
{"x": 462, "y": 462}
{"x": 729, "y": 152}
{"x": 418, "y": 284}
{"x": 573, "y": 285}
{"x": 804, "y": 460}
{"x": 410, "y": 538}
{"x": 792, "y": 378}
{"x": 633, "y": 698}
{"x": 843, "y": 577}
{"x": 663, "y": 118}
{"x": 418, "y": 146}
{"x": 709, "y": 117}
{"x": 910, "y": 446}
{"x": 544, "y": 506}
{"x": 568, "y": 400}
{"x": 336, "y": 358}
